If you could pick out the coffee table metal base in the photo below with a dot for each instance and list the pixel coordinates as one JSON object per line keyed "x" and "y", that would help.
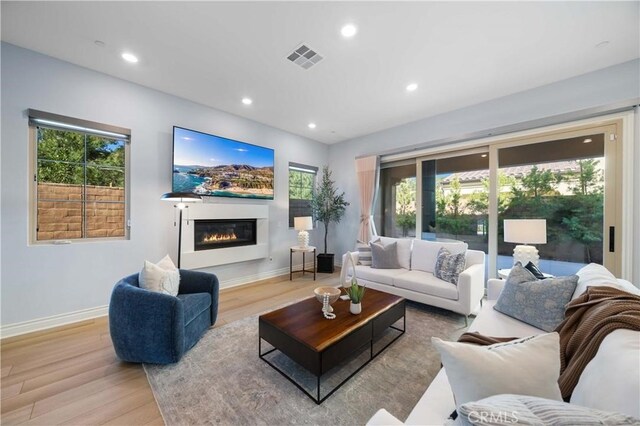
{"x": 317, "y": 398}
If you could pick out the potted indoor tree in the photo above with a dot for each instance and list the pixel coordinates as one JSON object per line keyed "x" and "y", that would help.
{"x": 327, "y": 206}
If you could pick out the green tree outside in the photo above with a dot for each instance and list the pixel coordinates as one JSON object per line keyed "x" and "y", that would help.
{"x": 576, "y": 218}
{"x": 300, "y": 185}
{"x": 65, "y": 157}
{"x": 406, "y": 205}
{"x": 450, "y": 218}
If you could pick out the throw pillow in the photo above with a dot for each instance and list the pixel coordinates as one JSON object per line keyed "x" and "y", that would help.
{"x": 449, "y": 266}
{"x": 520, "y": 274}
{"x": 404, "y": 249}
{"x": 527, "y": 366}
{"x": 384, "y": 257}
{"x": 529, "y": 410}
{"x": 611, "y": 380}
{"x": 539, "y": 303}
{"x": 593, "y": 275}
{"x": 425, "y": 253}
{"x": 364, "y": 253}
{"x": 162, "y": 277}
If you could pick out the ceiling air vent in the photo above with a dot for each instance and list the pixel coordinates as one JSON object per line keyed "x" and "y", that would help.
{"x": 304, "y": 56}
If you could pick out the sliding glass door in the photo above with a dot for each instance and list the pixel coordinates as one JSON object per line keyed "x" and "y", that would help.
{"x": 571, "y": 179}
{"x": 455, "y": 199}
{"x": 395, "y": 212}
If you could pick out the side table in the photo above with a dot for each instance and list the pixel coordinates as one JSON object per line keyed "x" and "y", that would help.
{"x": 304, "y": 250}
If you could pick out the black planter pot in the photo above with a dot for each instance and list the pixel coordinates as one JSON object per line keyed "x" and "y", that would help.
{"x": 325, "y": 263}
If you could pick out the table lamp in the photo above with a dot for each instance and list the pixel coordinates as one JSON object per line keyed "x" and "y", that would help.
{"x": 180, "y": 198}
{"x": 302, "y": 225}
{"x": 524, "y": 232}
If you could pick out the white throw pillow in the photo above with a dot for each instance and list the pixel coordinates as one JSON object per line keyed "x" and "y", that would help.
{"x": 404, "y": 249}
{"x": 425, "y": 253}
{"x": 593, "y": 275}
{"x": 162, "y": 277}
{"x": 611, "y": 380}
{"x": 627, "y": 286}
{"x": 527, "y": 366}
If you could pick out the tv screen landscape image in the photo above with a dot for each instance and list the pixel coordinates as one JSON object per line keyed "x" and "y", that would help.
{"x": 210, "y": 165}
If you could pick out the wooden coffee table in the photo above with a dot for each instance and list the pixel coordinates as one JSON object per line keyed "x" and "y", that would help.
{"x": 301, "y": 332}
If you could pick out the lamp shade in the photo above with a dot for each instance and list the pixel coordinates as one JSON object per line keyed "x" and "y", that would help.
{"x": 303, "y": 223}
{"x": 182, "y": 197}
{"x": 525, "y": 231}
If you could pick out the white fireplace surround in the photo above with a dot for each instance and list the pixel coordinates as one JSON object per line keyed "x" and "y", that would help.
{"x": 191, "y": 259}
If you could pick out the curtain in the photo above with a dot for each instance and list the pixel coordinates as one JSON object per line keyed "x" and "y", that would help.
{"x": 367, "y": 174}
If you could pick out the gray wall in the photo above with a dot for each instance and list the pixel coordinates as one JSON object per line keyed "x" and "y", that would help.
{"x": 603, "y": 87}
{"x": 41, "y": 281}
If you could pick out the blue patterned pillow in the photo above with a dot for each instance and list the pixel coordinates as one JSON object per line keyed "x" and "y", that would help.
{"x": 449, "y": 266}
{"x": 537, "y": 302}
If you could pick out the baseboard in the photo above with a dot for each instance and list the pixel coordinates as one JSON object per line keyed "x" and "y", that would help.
{"x": 16, "y": 329}
{"x": 248, "y": 279}
{"x": 40, "y": 324}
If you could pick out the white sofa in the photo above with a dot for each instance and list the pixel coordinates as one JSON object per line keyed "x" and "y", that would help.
{"x": 415, "y": 279}
{"x": 610, "y": 382}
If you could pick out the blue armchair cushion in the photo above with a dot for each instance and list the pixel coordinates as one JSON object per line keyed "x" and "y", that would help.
{"x": 158, "y": 328}
{"x": 194, "y": 304}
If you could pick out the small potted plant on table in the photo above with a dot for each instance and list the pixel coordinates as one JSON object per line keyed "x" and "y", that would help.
{"x": 356, "y": 294}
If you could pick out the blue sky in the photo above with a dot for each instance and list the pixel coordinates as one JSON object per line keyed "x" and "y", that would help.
{"x": 193, "y": 148}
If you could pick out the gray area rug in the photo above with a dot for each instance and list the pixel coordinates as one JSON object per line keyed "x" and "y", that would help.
{"x": 222, "y": 381}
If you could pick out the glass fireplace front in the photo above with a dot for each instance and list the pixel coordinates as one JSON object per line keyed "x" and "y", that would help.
{"x": 221, "y": 233}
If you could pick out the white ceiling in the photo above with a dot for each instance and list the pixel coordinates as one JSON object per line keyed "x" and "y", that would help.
{"x": 460, "y": 53}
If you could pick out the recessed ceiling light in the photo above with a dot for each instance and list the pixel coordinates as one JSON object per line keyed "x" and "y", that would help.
{"x": 411, "y": 87}
{"x": 312, "y": 125}
{"x": 483, "y": 155}
{"x": 99, "y": 43}
{"x": 130, "y": 57}
{"x": 603, "y": 43}
{"x": 587, "y": 140}
{"x": 247, "y": 101}
{"x": 349, "y": 30}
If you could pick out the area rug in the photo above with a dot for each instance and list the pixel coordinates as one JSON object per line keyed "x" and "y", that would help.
{"x": 221, "y": 381}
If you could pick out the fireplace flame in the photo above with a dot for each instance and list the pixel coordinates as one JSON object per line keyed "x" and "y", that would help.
{"x": 213, "y": 238}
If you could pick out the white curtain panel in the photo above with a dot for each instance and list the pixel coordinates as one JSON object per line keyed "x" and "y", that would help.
{"x": 367, "y": 172}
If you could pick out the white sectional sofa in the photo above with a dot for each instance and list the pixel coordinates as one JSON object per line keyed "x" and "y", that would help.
{"x": 415, "y": 279}
{"x": 610, "y": 382}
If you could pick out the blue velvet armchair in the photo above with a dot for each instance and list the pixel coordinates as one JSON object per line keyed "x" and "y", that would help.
{"x": 158, "y": 328}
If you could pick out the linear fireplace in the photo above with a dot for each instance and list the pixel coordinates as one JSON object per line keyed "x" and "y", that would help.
{"x": 237, "y": 232}
{"x": 223, "y": 233}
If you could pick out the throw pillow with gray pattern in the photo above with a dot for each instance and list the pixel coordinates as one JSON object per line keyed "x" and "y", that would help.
{"x": 520, "y": 274}
{"x": 449, "y": 266}
{"x": 539, "y": 303}
{"x": 384, "y": 257}
{"x": 509, "y": 409}
{"x": 364, "y": 253}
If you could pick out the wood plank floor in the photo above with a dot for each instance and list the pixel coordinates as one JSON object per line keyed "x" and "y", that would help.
{"x": 70, "y": 375}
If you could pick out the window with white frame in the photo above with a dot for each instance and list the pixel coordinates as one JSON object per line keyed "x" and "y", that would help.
{"x": 80, "y": 176}
{"x": 302, "y": 180}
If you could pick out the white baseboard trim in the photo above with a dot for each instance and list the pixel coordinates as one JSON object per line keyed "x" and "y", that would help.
{"x": 39, "y": 324}
{"x": 16, "y": 329}
{"x": 247, "y": 279}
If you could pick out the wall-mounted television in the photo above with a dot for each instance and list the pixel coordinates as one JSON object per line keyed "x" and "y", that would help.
{"x": 211, "y": 165}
